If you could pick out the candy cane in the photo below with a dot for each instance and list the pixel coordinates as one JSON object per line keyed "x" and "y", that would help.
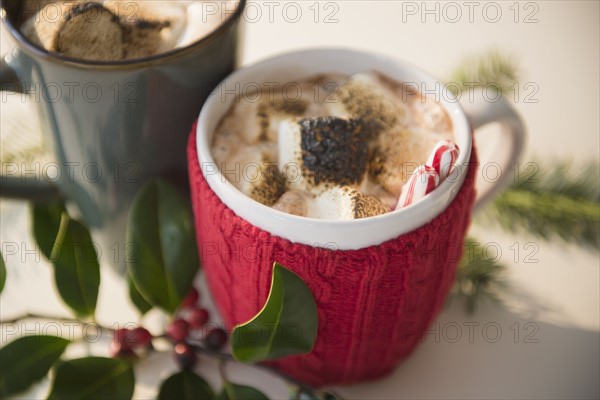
{"x": 422, "y": 182}
{"x": 443, "y": 157}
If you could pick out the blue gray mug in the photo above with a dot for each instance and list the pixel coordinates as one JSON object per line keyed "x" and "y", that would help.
{"x": 113, "y": 125}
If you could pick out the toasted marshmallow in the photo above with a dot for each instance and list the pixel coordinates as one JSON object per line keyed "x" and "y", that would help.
{"x": 430, "y": 115}
{"x": 253, "y": 171}
{"x": 270, "y": 114}
{"x": 315, "y": 153}
{"x": 85, "y": 30}
{"x": 364, "y": 96}
{"x": 320, "y": 93}
{"x": 396, "y": 155}
{"x": 345, "y": 203}
{"x": 293, "y": 202}
{"x": 136, "y": 29}
{"x": 149, "y": 27}
{"x": 43, "y": 23}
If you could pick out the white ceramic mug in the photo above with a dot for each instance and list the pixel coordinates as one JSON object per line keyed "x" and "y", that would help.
{"x": 356, "y": 234}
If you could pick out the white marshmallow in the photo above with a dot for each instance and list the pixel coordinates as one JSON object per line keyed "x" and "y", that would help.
{"x": 290, "y": 155}
{"x": 256, "y": 120}
{"x": 244, "y": 121}
{"x": 335, "y": 203}
{"x": 345, "y": 203}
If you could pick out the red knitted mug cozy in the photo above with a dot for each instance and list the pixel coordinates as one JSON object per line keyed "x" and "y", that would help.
{"x": 374, "y": 304}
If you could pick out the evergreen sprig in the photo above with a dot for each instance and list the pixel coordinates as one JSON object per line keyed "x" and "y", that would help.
{"x": 558, "y": 202}
{"x": 477, "y": 277}
{"x": 562, "y": 202}
{"x": 491, "y": 69}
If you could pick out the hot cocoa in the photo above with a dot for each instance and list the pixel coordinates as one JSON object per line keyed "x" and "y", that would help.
{"x": 117, "y": 29}
{"x": 342, "y": 149}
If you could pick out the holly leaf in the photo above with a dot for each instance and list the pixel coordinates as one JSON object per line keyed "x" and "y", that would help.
{"x": 46, "y": 223}
{"x": 185, "y": 385}
{"x": 137, "y": 299}
{"x": 160, "y": 225}
{"x": 2, "y": 273}
{"x": 287, "y": 324}
{"x": 93, "y": 378}
{"x": 27, "y": 360}
{"x": 231, "y": 391}
{"x": 76, "y": 267}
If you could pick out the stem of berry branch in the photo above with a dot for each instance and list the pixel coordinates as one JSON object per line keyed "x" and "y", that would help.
{"x": 222, "y": 357}
{"x": 222, "y": 371}
{"x": 53, "y": 319}
{"x": 225, "y": 357}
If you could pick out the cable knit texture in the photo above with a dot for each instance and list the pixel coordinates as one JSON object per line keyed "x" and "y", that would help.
{"x": 374, "y": 304}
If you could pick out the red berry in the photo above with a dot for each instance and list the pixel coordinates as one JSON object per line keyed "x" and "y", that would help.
{"x": 141, "y": 337}
{"x": 215, "y": 339}
{"x": 197, "y": 318}
{"x": 191, "y": 299}
{"x": 118, "y": 350}
{"x": 178, "y": 330}
{"x": 132, "y": 338}
{"x": 185, "y": 356}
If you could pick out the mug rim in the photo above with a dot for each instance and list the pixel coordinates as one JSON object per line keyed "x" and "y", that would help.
{"x": 221, "y": 186}
{"x": 155, "y": 59}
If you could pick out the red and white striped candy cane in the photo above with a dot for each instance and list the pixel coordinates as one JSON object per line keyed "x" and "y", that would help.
{"x": 443, "y": 157}
{"x": 422, "y": 182}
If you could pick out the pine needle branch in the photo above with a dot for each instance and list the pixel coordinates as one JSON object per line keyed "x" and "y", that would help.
{"x": 477, "y": 277}
{"x": 563, "y": 203}
{"x": 493, "y": 69}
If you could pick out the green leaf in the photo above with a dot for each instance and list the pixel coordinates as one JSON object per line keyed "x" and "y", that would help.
{"x": 161, "y": 226}
{"x": 185, "y": 385}
{"x": 46, "y": 223}
{"x": 27, "y": 360}
{"x": 137, "y": 299}
{"x": 2, "y": 273}
{"x": 93, "y": 378}
{"x": 231, "y": 391}
{"x": 76, "y": 268}
{"x": 287, "y": 324}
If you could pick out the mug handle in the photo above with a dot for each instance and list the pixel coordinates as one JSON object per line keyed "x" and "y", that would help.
{"x": 27, "y": 188}
{"x": 482, "y": 112}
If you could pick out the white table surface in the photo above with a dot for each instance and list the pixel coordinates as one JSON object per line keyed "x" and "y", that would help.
{"x": 558, "y": 296}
